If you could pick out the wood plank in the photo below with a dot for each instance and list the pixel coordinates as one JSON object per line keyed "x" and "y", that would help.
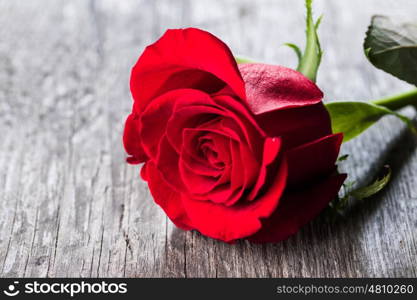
{"x": 70, "y": 204}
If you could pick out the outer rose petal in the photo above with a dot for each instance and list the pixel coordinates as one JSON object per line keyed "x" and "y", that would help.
{"x": 167, "y": 198}
{"x": 240, "y": 220}
{"x": 270, "y": 88}
{"x": 312, "y": 160}
{"x": 143, "y": 172}
{"x": 131, "y": 140}
{"x": 297, "y": 125}
{"x": 296, "y": 209}
{"x": 184, "y": 58}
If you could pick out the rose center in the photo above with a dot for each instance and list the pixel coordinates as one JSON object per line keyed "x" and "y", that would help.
{"x": 214, "y": 149}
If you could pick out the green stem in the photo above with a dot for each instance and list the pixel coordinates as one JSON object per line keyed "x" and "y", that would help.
{"x": 310, "y": 60}
{"x": 398, "y": 101}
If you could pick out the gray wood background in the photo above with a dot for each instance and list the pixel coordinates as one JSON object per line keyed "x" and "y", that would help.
{"x": 71, "y": 206}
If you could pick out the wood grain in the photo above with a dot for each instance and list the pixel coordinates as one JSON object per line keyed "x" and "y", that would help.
{"x": 71, "y": 206}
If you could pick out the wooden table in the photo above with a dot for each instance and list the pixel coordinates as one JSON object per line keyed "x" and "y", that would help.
{"x": 71, "y": 206}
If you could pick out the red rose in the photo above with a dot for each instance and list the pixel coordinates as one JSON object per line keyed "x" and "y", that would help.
{"x": 233, "y": 152}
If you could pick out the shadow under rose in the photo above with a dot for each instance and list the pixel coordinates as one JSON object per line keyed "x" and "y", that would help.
{"x": 396, "y": 155}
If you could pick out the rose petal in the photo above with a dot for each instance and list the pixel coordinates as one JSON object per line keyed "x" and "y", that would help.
{"x": 222, "y": 194}
{"x": 298, "y": 125}
{"x": 197, "y": 183}
{"x": 237, "y": 176}
{"x": 201, "y": 184}
{"x": 250, "y": 166}
{"x": 242, "y": 121}
{"x": 189, "y": 117}
{"x": 184, "y": 58}
{"x": 229, "y": 223}
{"x": 132, "y": 141}
{"x": 272, "y": 147}
{"x": 225, "y": 114}
{"x": 270, "y": 88}
{"x": 155, "y": 118}
{"x": 244, "y": 171}
{"x": 143, "y": 172}
{"x": 167, "y": 162}
{"x": 192, "y": 153}
{"x": 200, "y": 167}
{"x": 167, "y": 198}
{"x": 312, "y": 160}
{"x": 296, "y": 209}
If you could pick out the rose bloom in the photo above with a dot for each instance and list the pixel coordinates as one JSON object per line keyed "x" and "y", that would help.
{"x": 235, "y": 152}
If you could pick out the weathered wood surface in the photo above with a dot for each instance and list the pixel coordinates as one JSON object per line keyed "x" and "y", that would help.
{"x": 70, "y": 206}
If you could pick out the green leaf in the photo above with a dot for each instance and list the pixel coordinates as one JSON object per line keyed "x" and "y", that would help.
{"x": 343, "y": 158}
{"x": 392, "y": 47}
{"x": 311, "y": 58}
{"x": 339, "y": 204}
{"x": 352, "y": 118}
{"x": 296, "y": 50}
{"x": 375, "y": 187}
{"x": 318, "y": 22}
{"x": 243, "y": 60}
